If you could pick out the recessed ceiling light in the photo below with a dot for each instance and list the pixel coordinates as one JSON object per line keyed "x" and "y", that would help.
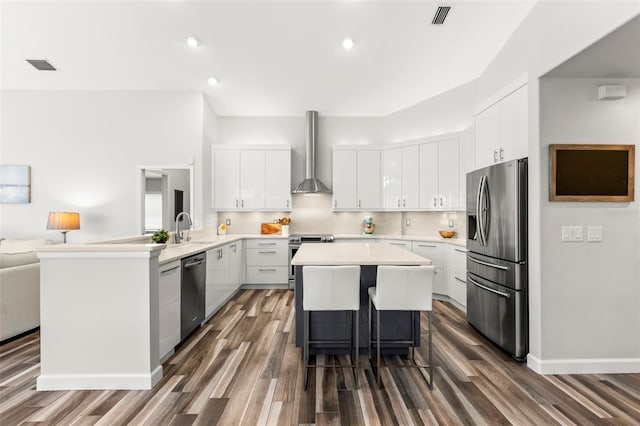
{"x": 192, "y": 41}
{"x": 347, "y": 43}
{"x": 212, "y": 81}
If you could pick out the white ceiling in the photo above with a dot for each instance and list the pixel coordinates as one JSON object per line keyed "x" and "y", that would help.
{"x": 617, "y": 55}
{"x": 271, "y": 57}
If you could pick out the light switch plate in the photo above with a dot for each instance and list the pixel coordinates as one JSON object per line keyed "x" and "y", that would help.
{"x": 594, "y": 233}
{"x": 572, "y": 233}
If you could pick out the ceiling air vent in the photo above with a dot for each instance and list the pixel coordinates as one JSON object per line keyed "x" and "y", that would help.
{"x": 441, "y": 15}
{"x": 41, "y": 64}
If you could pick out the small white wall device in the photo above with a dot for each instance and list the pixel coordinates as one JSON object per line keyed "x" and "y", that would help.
{"x": 611, "y": 92}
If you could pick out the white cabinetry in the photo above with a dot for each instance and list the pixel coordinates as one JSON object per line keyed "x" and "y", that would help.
{"x": 169, "y": 307}
{"x": 356, "y": 179}
{"x": 267, "y": 261}
{"x": 436, "y": 252}
{"x": 400, "y": 177}
{"x": 440, "y": 175}
{"x": 224, "y": 275}
{"x": 457, "y": 266}
{"x": 501, "y": 130}
{"x": 251, "y": 177}
{"x": 398, "y": 243}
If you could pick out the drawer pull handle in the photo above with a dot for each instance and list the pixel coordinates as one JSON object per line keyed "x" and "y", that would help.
{"x": 460, "y": 250}
{"x": 267, "y": 252}
{"x": 499, "y": 293}
{"x": 399, "y": 244}
{"x": 427, "y": 245}
{"x": 267, "y": 270}
{"x": 170, "y": 269}
{"x": 460, "y": 279}
{"x": 491, "y": 265}
{"x": 266, "y": 244}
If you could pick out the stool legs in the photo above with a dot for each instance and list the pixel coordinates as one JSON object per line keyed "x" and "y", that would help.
{"x": 305, "y": 348}
{"x": 430, "y": 351}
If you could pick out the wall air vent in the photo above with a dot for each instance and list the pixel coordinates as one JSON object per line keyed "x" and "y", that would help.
{"x": 41, "y": 64}
{"x": 441, "y": 15}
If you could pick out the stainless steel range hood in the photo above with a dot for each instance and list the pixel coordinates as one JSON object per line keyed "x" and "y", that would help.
{"x": 311, "y": 184}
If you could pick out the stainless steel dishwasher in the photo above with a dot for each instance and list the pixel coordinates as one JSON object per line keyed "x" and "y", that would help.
{"x": 192, "y": 297}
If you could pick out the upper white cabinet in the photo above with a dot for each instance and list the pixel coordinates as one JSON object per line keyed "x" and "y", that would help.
{"x": 400, "y": 177}
{"x": 356, "y": 179}
{"x": 440, "y": 175}
{"x": 502, "y": 130}
{"x": 251, "y": 177}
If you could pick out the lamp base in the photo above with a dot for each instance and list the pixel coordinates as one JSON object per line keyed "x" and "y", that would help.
{"x": 64, "y": 237}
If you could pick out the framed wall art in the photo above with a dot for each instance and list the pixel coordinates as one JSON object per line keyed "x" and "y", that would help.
{"x": 15, "y": 184}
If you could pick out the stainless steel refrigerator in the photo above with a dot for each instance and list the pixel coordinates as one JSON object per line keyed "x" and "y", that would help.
{"x": 497, "y": 273}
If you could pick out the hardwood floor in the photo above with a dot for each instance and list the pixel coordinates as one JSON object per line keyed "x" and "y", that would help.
{"x": 243, "y": 368}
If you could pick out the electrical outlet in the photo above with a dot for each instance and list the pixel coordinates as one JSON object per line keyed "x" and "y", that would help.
{"x": 228, "y": 222}
{"x": 572, "y": 233}
{"x": 594, "y": 234}
{"x": 407, "y": 222}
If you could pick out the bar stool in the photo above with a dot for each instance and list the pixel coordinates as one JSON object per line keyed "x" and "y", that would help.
{"x": 402, "y": 288}
{"x": 330, "y": 288}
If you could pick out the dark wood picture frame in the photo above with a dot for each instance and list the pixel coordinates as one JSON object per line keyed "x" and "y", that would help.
{"x": 565, "y": 163}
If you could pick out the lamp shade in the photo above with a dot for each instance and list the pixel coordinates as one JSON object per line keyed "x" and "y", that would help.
{"x": 63, "y": 220}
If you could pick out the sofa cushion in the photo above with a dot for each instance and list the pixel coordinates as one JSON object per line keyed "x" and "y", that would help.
{"x": 21, "y": 246}
{"x": 7, "y": 260}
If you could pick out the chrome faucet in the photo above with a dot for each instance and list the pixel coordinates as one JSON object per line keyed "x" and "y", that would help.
{"x": 178, "y": 232}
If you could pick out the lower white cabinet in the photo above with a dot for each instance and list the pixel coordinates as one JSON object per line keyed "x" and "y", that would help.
{"x": 267, "y": 261}
{"x": 457, "y": 262}
{"x": 435, "y": 252}
{"x": 169, "y": 307}
{"x": 398, "y": 243}
{"x": 224, "y": 275}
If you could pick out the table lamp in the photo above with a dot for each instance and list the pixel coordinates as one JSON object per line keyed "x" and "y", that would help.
{"x": 63, "y": 222}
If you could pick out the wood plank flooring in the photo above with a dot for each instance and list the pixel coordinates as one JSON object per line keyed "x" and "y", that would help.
{"x": 242, "y": 367}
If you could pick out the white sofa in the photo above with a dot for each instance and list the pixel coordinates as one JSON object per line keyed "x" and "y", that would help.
{"x": 19, "y": 286}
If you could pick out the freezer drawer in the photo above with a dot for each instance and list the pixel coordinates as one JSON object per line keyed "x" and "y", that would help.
{"x": 499, "y": 313}
{"x": 502, "y": 272}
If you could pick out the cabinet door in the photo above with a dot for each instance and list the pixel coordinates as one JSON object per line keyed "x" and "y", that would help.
{"x": 217, "y": 279}
{"x": 392, "y": 178}
{"x": 225, "y": 180}
{"x": 368, "y": 179}
{"x": 252, "y": 180}
{"x": 236, "y": 264}
{"x": 429, "y": 176}
{"x": 449, "y": 174}
{"x": 278, "y": 180}
{"x": 411, "y": 177}
{"x": 487, "y": 136}
{"x": 169, "y": 308}
{"x": 344, "y": 179}
{"x": 514, "y": 135}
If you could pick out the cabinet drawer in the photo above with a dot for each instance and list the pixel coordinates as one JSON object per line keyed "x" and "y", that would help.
{"x": 267, "y": 274}
{"x": 458, "y": 288}
{"x": 268, "y": 243}
{"x": 433, "y": 251}
{"x": 398, "y": 243}
{"x": 458, "y": 259}
{"x": 267, "y": 257}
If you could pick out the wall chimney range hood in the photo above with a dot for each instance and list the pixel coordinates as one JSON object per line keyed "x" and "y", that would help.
{"x": 311, "y": 184}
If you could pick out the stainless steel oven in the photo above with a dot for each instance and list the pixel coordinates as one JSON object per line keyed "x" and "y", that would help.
{"x": 295, "y": 240}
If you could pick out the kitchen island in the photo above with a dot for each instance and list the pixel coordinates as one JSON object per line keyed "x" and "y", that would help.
{"x": 395, "y": 325}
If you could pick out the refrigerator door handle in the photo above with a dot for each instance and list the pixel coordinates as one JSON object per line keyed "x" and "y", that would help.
{"x": 478, "y": 210}
{"x": 491, "y": 265}
{"x": 484, "y": 210}
{"x": 477, "y": 284}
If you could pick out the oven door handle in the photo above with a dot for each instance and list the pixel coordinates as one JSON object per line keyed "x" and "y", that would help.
{"x": 477, "y": 284}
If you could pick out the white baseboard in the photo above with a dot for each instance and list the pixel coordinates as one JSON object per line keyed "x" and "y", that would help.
{"x": 584, "y": 366}
{"x": 49, "y": 382}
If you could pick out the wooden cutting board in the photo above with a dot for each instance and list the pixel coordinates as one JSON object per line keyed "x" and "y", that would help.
{"x": 271, "y": 229}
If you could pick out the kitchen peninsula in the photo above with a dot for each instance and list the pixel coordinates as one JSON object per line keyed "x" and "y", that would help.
{"x": 395, "y": 325}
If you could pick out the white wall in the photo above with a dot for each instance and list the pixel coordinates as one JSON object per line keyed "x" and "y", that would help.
{"x": 591, "y": 291}
{"x": 84, "y": 148}
{"x": 452, "y": 111}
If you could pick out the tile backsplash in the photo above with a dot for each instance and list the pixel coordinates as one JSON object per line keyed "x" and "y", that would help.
{"x": 313, "y": 214}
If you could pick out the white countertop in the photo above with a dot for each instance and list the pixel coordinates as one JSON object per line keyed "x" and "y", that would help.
{"x": 365, "y": 253}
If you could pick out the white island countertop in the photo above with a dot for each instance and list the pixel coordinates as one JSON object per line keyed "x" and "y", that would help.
{"x": 365, "y": 253}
